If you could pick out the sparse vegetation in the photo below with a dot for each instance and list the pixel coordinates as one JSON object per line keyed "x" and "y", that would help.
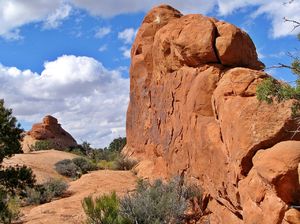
{"x": 270, "y": 89}
{"x": 103, "y": 210}
{"x": 44, "y": 193}
{"x": 9, "y": 207}
{"x": 42, "y": 145}
{"x": 84, "y": 164}
{"x": 106, "y": 165}
{"x": 124, "y": 163}
{"x": 74, "y": 168}
{"x": 151, "y": 203}
{"x": 67, "y": 168}
{"x": 157, "y": 203}
{"x": 108, "y": 158}
{"x": 12, "y": 179}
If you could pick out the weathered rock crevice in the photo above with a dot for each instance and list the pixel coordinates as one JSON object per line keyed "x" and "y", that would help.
{"x": 200, "y": 116}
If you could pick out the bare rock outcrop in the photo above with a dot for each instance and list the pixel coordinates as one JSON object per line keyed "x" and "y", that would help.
{"x": 49, "y": 130}
{"x": 193, "y": 112}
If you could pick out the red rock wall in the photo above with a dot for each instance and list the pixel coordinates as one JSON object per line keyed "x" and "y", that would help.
{"x": 193, "y": 112}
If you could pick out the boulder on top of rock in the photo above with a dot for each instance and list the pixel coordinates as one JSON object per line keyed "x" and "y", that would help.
{"x": 193, "y": 112}
{"x": 49, "y": 130}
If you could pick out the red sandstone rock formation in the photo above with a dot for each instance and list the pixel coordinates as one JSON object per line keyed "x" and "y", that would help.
{"x": 193, "y": 111}
{"x": 49, "y": 130}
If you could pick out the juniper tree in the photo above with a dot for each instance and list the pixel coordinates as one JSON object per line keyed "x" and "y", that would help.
{"x": 12, "y": 179}
{"x": 271, "y": 89}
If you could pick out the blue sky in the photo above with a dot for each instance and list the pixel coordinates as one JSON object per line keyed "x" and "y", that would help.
{"x": 70, "y": 58}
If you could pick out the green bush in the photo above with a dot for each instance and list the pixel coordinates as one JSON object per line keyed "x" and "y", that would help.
{"x": 9, "y": 207}
{"x": 106, "y": 165}
{"x": 16, "y": 179}
{"x": 42, "y": 145}
{"x": 12, "y": 179}
{"x": 84, "y": 164}
{"x": 103, "y": 210}
{"x": 124, "y": 163}
{"x": 67, "y": 168}
{"x": 117, "y": 145}
{"x": 46, "y": 192}
{"x": 270, "y": 89}
{"x": 157, "y": 203}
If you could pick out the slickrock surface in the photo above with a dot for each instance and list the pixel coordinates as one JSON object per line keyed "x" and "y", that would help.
{"x": 49, "y": 130}
{"x": 69, "y": 210}
{"x": 193, "y": 111}
{"x": 41, "y": 162}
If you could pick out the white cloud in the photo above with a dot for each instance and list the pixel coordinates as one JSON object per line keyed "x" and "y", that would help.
{"x": 125, "y": 51}
{"x": 12, "y": 35}
{"x": 102, "y": 48}
{"x": 117, "y": 7}
{"x": 89, "y": 100}
{"x": 260, "y": 54}
{"x": 276, "y": 11}
{"x": 103, "y": 31}
{"x": 127, "y": 35}
{"x": 55, "y": 19}
{"x": 16, "y": 13}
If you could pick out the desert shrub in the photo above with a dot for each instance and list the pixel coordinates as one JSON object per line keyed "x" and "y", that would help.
{"x": 33, "y": 196}
{"x": 106, "y": 165}
{"x": 83, "y": 149}
{"x": 12, "y": 179}
{"x": 56, "y": 186}
{"x": 192, "y": 191}
{"x": 16, "y": 179}
{"x": 9, "y": 207}
{"x": 117, "y": 145}
{"x": 84, "y": 164}
{"x": 103, "y": 210}
{"x": 76, "y": 150}
{"x": 68, "y": 168}
{"x": 42, "y": 145}
{"x": 124, "y": 163}
{"x": 270, "y": 89}
{"x": 157, "y": 203}
{"x": 46, "y": 192}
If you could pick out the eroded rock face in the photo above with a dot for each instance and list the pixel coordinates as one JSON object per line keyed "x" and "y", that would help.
{"x": 49, "y": 130}
{"x": 193, "y": 112}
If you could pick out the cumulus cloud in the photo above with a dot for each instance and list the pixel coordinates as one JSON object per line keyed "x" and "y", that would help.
{"x": 117, "y": 7}
{"x": 103, "y": 31}
{"x": 127, "y": 35}
{"x": 16, "y": 13}
{"x": 89, "y": 100}
{"x": 125, "y": 51}
{"x": 276, "y": 11}
{"x": 55, "y": 19}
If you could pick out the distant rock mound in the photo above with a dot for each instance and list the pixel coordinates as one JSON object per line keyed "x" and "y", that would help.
{"x": 49, "y": 130}
{"x": 193, "y": 112}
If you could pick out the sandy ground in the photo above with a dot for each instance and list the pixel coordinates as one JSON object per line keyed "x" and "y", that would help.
{"x": 69, "y": 210}
{"x": 41, "y": 162}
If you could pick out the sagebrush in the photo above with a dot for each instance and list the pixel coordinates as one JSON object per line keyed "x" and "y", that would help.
{"x": 103, "y": 210}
